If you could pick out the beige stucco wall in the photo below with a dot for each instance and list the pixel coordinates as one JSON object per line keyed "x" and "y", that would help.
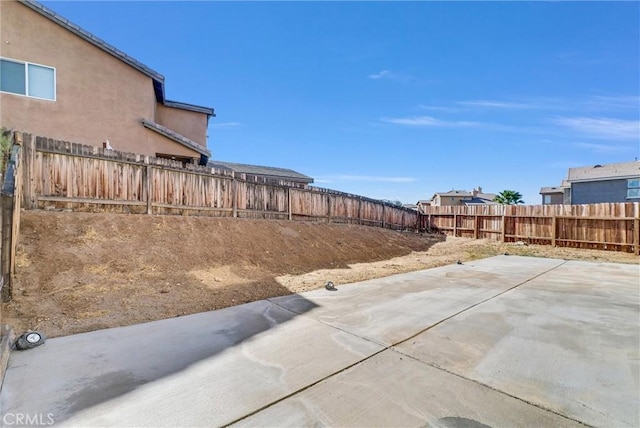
{"x": 556, "y": 199}
{"x": 192, "y": 125}
{"x": 448, "y": 200}
{"x": 97, "y": 95}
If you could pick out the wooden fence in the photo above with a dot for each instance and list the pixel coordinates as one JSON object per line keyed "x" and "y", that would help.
{"x": 46, "y": 173}
{"x": 83, "y": 178}
{"x": 10, "y": 197}
{"x": 609, "y": 226}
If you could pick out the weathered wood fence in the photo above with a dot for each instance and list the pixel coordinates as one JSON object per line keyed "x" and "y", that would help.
{"x": 84, "y": 178}
{"x": 45, "y": 173}
{"x": 609, "y": 226}
{"x": 10, "y": 197}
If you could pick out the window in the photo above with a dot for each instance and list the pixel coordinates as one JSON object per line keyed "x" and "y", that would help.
{"x": 24, "y": 78}
{"x": 546, "y": 199}
{"x": 633, "y": 188}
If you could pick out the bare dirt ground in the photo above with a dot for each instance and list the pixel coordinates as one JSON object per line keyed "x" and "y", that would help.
{"x": 80, "y": 272}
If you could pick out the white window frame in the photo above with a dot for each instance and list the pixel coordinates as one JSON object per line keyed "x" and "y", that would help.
{"x": 635, "y": 187}
{"x": 26, "y": 79}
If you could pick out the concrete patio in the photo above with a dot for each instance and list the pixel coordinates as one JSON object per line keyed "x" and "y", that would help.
{"x": 505, "y": 341}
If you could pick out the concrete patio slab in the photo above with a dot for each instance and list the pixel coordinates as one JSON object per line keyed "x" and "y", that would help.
{"x": 389, "y": 310}
{"x": 201, "y": 370}
{"x": 391, "y": 389}
{"x": 567, "y": 341}
{"x": 506, "y": 341}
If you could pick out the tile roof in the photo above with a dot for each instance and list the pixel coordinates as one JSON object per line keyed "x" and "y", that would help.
{"x": 261, "y": 170}
{"x": 454, "y": 193}
{"x": 180, "y": 139}
{"x": 465, "y": 194}
{"x": 604, "y": 172}
{"x": 481, "y": 199}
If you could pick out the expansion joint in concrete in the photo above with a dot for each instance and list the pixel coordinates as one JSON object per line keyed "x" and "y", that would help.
{"x": 391, "y": 347}
{"x": 477, "y": 304}
{"x": 499, "y": 391}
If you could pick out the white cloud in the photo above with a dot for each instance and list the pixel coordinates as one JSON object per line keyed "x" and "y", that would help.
{"x": 495, "y": 104}
{"x": 603, "y": 148}
{"x": 428, "y": 121}
{"x": 584, "y": 103}
{"x": 227, "y": 125}
{"x": 438, "y": 108}
{"x": 391, "y": 75}
{"x": 602, "y": 128}
{"x": 365, "y": 178}
{"x": 622, "y": 102}
{"x": 380, "y": 75}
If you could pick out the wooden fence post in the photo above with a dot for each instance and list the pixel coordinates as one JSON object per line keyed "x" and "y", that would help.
{"x": 10, "y": 204}
{"x": 383, "y": 215}
{"x": 7, "y": 217}
{"x": 476, "y": 226}
{"x": 328, "y": 208}
{"x": 359, "y": 211}
{"x": 503, "y": 232}
{"x": 28, "y": 164}
{"x": 455, "y": 224}
{"x": 554, "y": 227}
{"x": 234, "y": 195}
{"x": 289, "y": 203}
{"x": 636, "y": 236}
{"x": 149, "y": 189}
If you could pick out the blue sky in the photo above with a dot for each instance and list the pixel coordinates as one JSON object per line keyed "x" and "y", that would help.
{"x": 397, "y": 100}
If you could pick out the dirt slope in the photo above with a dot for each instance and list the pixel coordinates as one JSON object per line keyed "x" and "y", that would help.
{"x": 80, "y": 272}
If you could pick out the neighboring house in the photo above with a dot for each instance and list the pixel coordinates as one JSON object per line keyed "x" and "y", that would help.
{"x": 552, "y": 195}
{"x": 270, "y": 174}
{"x": 616, "y": 182}
{"x": 462, "y": 197}
{"x": 60, "y": 81}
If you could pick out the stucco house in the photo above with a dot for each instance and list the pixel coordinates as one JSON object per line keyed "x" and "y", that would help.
{"x": 552, "y": 195}
{"x": 58, "y": 80}
{"x": 616, "y": 182}
{"x": 463, "y": 197}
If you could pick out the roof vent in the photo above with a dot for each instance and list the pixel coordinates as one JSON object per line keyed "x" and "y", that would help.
{"x": 598, "y": 166}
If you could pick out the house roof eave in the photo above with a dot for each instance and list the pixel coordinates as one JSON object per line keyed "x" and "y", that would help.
{"x": 94, "y": 40}
{"x": 551, "y": 190}
{"x": 191, "y": 107}
{"x": 157, "y": 78}
{"x": 588, "y": 180}
{"x": 172, "y": 135}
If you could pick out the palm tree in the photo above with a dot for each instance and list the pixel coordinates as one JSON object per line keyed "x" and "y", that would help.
{"x": 509, "y": 197}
